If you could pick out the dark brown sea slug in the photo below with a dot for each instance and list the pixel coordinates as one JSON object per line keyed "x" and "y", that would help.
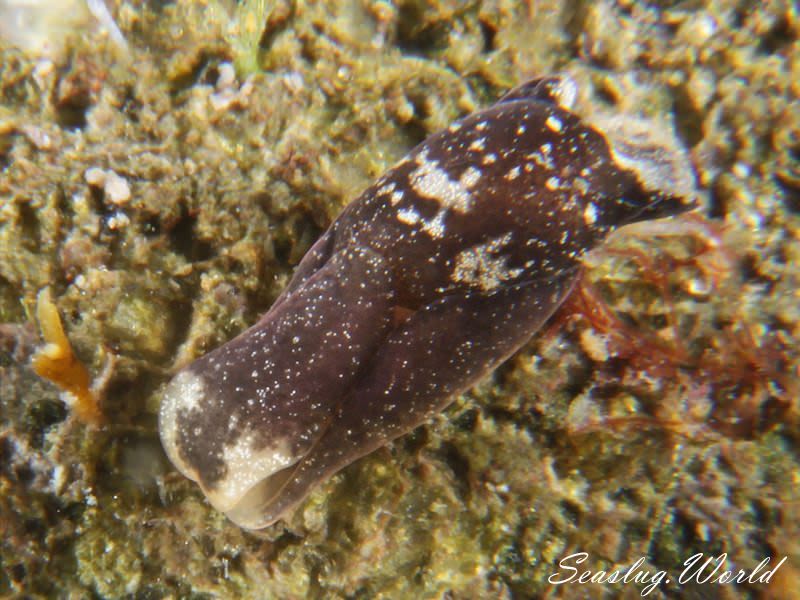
{"x": 437, "y": 273}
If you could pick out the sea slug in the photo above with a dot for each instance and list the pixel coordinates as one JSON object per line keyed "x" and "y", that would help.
{"x": 438, "y": 272}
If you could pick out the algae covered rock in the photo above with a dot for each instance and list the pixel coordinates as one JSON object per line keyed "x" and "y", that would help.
{"x": 165, "y": 194}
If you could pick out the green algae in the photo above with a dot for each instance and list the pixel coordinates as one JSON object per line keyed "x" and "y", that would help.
{"x": 231, "y": 184}
{"x": 250, "y": 23}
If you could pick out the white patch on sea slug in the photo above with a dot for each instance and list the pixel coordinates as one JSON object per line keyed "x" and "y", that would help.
{"x": 247, "y": 466}
{"x": 542, "y": 158}
{"x": 580, "y": 185}
{"x": 430, "y": 181}
{"x": 186, "y": 393}
{"x": 482, "y": 265}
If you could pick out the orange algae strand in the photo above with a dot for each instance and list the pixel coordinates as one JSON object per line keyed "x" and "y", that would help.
{"x": 56, "y": 362}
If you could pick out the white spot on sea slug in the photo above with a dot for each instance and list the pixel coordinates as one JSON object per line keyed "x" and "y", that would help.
{"x": 513, "y": 173}
{"x": 543, "y": 159}
{"x": 552, "y": 183}
{"x": 554, "y": 124}
{"x": 470, "y": 177}
{"x": 385, "y": 189}
{"x": 434, "y": 227}
{"x": 590, "y": 214}
{"x": 489, "y": 159}
{"x": 408, "y": 216}
{"x": 478, "y": 145}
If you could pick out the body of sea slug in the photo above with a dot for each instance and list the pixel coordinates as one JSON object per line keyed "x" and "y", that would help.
{"x": 432, "y": 277}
